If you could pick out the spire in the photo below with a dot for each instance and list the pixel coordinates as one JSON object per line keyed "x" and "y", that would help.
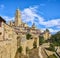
{"x": 33, "y": 26}
{"x": 18, "y": 18}
{"x": 47, "y": 30}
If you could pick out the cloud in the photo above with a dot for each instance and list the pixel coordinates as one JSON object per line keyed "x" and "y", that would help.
{"x": 58, "y": 26}
{"x": 2, "y": 6}
{"x": 54, "y": 31}
{"x": 30, "y": 15}
{"x": 7, "y": 18}
{"x": 51, "y": 30}
{"x": 52, "y": 23}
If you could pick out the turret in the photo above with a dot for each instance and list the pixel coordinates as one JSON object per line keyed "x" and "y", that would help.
{"x": 33, "y": 26}
{"x": 18, "y": 20}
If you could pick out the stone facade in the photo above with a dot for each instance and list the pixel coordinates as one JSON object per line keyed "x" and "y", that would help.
{"x": 46, "y": 34}
{"x": 13, "y": 35}
{"x": 8, "y": 42}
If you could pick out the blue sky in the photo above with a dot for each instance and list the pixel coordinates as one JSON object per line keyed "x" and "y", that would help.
{"x": 44, "y": 13}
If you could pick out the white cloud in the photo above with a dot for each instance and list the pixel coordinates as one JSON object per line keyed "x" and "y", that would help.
{"x": 51, "y": 23}
{"x": 52, "y": 30}
{"x": 7, "y": 18}
{"x": 30, "y": 15}
{"x": 58, "y": 26}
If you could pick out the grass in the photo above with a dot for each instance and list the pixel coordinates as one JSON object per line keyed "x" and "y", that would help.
{"x": 52, "y": 56}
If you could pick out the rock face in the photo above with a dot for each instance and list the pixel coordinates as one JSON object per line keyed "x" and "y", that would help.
{"x": 8, "y": 42}
{"x": 44, "y": 53}
{"x": 19, "y": 55}
{"x": 34, "y": 53}
{"x": 13, "y": 35}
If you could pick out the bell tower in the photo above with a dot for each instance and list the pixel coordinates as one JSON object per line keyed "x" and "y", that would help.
{"x": 18, "y": 20}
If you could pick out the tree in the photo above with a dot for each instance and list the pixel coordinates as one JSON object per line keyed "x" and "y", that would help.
{"x": 51, "y": 48}
{"x": 28, "y": 36}
{"x": 27, "y": 49}
{"x": 47, "y": 30}
{"x": 20, "y": 49}
{"x": 55, "y": 39}
{"x": 41, "y": 40}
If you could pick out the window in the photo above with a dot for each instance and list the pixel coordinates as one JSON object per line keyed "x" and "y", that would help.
{"x": 0, "y": 24}
{"x": 0, "y": 33}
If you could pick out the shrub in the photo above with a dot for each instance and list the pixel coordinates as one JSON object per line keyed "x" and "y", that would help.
{"x": 34, "y": 45}
{"x": 51, "y": 48}
{"x": 41, "y": 40}
{"x": 28, "y": 36}
{"x": 52, "y": 56}
{"x": 27, "y": 49}
{"x": 20, "y": 49}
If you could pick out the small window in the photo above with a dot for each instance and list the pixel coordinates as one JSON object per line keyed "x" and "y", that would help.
{"x": 0, "y": 33}
{"x": 0, "y": 24}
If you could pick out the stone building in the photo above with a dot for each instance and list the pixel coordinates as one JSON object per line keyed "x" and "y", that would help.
{"x": 46, "y": 34}
{"x": 13, "y": 35}
{"x": 8, "y": 42}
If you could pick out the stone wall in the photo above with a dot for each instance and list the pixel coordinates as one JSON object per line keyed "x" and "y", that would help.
{"x": 8, "y": 44}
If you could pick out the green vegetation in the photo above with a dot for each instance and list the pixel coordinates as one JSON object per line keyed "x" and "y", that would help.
{"x": 20, "y": 49}
{"x": 28, "y": 36}
{"x": 34, "y": 45}
{"x": 52, "y": 56}
{"x": 41, "y": 40}
{"x": 47, "y": 30}
{"x": 51, "y": 48}
{"x": 55, "y": 39}
{"x": 27, "y": 49}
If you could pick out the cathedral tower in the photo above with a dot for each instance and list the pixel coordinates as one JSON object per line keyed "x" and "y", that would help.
{"x": 18, "y": 21}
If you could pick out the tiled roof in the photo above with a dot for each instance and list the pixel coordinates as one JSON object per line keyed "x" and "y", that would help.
{"x": 1, "y": 19}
